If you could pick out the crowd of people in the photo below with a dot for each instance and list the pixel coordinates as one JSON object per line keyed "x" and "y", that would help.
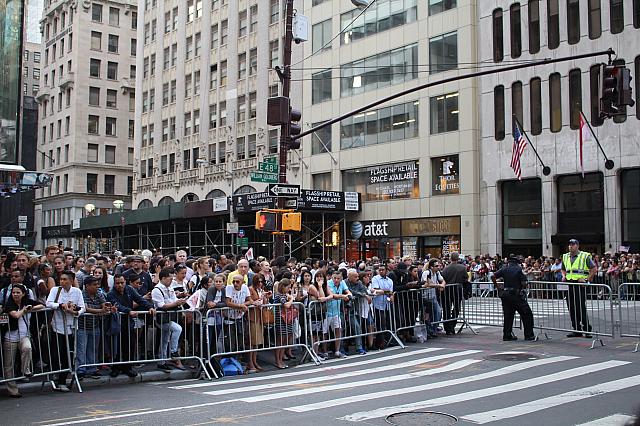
{"x": 148, "y": 299}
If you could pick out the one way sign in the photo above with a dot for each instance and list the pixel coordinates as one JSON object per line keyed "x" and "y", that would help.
{"x": 283, "y": 190}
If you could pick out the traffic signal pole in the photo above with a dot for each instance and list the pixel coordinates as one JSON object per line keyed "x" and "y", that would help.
{"x": 285, "y": 136}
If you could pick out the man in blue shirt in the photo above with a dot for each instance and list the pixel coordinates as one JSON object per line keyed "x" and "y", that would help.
{"x": 340, "y": 293}
{"x": 382, "y": 286}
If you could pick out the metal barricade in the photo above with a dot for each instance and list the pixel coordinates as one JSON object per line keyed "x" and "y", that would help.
{"x": 40, "y": 353}
{"x": 485, "y": 308}
{"x": 120, "y": 340}
{"x": 572, "y": 307}
{"x": 259, "y": 328}
{"x": 425, "y": 309}
{"x": 629, "y": 311}
{"x": 363, "y": 320}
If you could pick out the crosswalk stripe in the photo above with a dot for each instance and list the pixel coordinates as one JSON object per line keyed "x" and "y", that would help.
{"x": 434, "y": 385}
{"x": 613, "y": 420}
{"x": 349, "y": 385}
{"x": 553, "y": 401}
{"x": 326, "y": 378}
{"x": 345, "y": 364}
{"x": 482, "y": 393}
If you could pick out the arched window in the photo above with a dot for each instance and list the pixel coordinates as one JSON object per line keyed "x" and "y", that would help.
{"x": 165, "y": 201}
{"x": 189, "y": 198}
{"x": 145, "y": 204}
{"x": 216, "y": 193}
{"x": 245, "y": 189}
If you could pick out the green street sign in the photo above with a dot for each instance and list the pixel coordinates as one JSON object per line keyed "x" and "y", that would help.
{"x": 270, "y": 160}
{"x": 268, "y": 167}
{"x": 243, "y": 242}
{"x": 264, "y": 177}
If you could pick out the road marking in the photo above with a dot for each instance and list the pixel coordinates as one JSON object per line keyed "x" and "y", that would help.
{"x": 86, "y": 414}
{"x": 139, "y": 413}
{"x": 279, "y": 395}
{"x": 480, "y": 393}
{"x": 311, "y": 370}
{"x": 348, "y": 374}
{"x": 463, "y": 380}
{"x": 553, "y": 401}
{"x": 614, "y": 420}
{"x": 234, "y": 419}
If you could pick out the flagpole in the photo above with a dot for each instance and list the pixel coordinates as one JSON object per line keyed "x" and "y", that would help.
{"x": 546, "y": 170}
{"x": 609, "y": 164}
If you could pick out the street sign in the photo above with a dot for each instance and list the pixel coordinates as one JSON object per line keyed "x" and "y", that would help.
{"x": 23, "y": 233}
{"x": 9, "y": 242}
{"x": 268, "y": 167}
{"x": 291, "y": 203}
{"x": 264, "y": 177}
{"x": 240, "y": 233}
{"x": 243, "y": 242}
{"x": 270, "y": 160}
{"x": 22, "y": 219}
{"x": 284, "y": 190}
{"x": 22, "y": 225}
{"x": 232, "y": 228}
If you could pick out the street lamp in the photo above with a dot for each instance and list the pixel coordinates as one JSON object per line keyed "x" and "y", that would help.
{"x": 90, "y": 209}
{"x": 119, "y": 205}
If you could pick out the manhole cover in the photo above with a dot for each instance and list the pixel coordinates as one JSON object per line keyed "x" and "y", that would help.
{"x": 512, "y": 356}
{"x": 421, "y": 418}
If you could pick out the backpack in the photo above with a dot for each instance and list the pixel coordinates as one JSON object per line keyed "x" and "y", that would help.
{"x": 231, "y": 367}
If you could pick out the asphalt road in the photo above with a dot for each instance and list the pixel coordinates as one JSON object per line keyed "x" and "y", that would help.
{"x": 553, "y": 382}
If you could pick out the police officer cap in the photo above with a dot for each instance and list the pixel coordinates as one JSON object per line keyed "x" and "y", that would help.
{"x": 574, "y": 241}
{"x": 513, "y": 258}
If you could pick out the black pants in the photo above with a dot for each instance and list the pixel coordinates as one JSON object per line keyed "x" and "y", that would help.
{"x": 60, "y": 355}
{"x": 513, "y": 302}
{"x": 382, "y": 319}
{"x": 126, "y": 346}
{"x": 577, "y": 305}
{"x": 451, "y": 300}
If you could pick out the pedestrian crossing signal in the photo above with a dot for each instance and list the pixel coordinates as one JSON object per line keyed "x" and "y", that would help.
{"x": 291, "y": 221}
{"x": 266, "y": 221}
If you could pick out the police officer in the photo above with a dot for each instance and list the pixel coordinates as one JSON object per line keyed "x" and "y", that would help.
{"x": 578, "y": 267}
{"x": 513, "y": 296}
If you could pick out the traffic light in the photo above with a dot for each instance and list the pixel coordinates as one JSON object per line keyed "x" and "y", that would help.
{"x": 266, "y": 221}
{"x": 294, "y": 127}
{"x": 609, "y": 91}
{"x": 277, "y": 110}
{"x": 292, "y": 221}
{"x": 624, "y": 87}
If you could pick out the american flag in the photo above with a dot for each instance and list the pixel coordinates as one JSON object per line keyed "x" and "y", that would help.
{"x": 519, "y": 144}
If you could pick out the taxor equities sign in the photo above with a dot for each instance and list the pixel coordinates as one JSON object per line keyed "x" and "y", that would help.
{"x": 445, "y": 175}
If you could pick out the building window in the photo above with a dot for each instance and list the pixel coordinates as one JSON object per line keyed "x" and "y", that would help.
{"x": 575, "y": 98}
{"x": 516, "y": 31}
{"x": 93, "y": 126}
{"x": 321, "y": 86}
{"x": 187, "y": 123}
{"x": 573, "y": 21}
{"x": 535, "y": 96}
{"x": 196, "y": 122}
{"x": 274, "y": 53}
{"x": 96, "y": 40}
{"x": 391, "y": 67}
{"x": 397, "y": 122}
{"x": 132, "y": 126}
{"x": 321, "y": 181}
{"x": 630, "y": 184}
{"x": 251, "y": 142}
{"x": 242, "y": 24}
{"x": 498, "y": 37}
{"x": 110, "y": 126}
{"x": 383, "y": 182}
{"x": 636, "y": 14}
{"x": 443, "y": 52}
{"x": 94, "y": 96}
{"x": 92, "y": 183}
{"x": 320, "y": 139}
{"x": 253, "y": 16}
{"x": 595, "y": 20}
{"x": 439, "y": 6}
{"x": 321, "y": 34}
{"x": 96, "y": 12}
{"x": 113, "y": 43}
{"x": 275, "y": 11}
{"x": 553, "y": 23}
{"x": 555, "y": 103}
{"x": 197, "y": 44}
{"x": 616, "y": 15}
{"x": 242, "y": 108}
{"x": 92, "y": 153}
{"x": 223, "y": 73}
{"x": 252, "y": 105}
{"x": 213, "y": 116}
{"x": 189, "y": 48}
{"x": 522, "y": 215}
{"x": 242, "y": 66}
{"x": 241, "y": 148}
{"x": 109, "y": 184}
{"x": 637, "y": 88}
{"x": 498, "y": 112}
{"x": 214, "y": 36}
{"x": 379, "y": 17}
{"x": 516, "y": 100}
{"x": 253, "y": 61}
{"x": 443, "y": 113}
{"x": 112, "y": 98}
{"x": 224, "y": 32}
{"x": 584, "y": 195}
{"x": 114, "y": 16}
{"x": 133, "y": 47}
{"x": 112, "y": 70}
{"x": 36, "y": 57}
{"x": 110, "y": 154}
{"x": 273, "y": 142}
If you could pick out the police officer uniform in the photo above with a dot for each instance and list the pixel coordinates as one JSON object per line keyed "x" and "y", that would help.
{"x": 576, "y": 268}
{"x": 514, "y": 299}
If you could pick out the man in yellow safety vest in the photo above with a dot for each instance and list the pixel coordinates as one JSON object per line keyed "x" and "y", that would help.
{"x": 578, "y": 268}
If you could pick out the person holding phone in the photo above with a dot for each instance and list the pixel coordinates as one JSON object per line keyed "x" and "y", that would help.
{"x": 18, "y": 338}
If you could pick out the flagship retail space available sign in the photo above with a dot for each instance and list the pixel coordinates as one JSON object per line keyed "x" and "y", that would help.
{"x": 445, "y": 175}
{"x": 308, "y": 200}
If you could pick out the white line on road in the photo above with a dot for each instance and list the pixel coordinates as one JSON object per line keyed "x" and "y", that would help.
{"x": 368, "y": 361}
{"x": 349, "y": 385}
{"x": 614, "y": 420}
{"x": 553, "y": 401}
{"x": 348, "y": 374}
{"x": 482, "y": 393}
{"x": 463, "y": 380}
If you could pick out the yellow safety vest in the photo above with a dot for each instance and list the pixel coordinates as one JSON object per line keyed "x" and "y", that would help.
{"x": 579, "y": 269}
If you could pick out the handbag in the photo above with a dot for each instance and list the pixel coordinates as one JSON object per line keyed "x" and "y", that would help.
{"x": 268, "y": 317}
{"x": 114, "y": 325}
{"x": 288, "y": 315}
